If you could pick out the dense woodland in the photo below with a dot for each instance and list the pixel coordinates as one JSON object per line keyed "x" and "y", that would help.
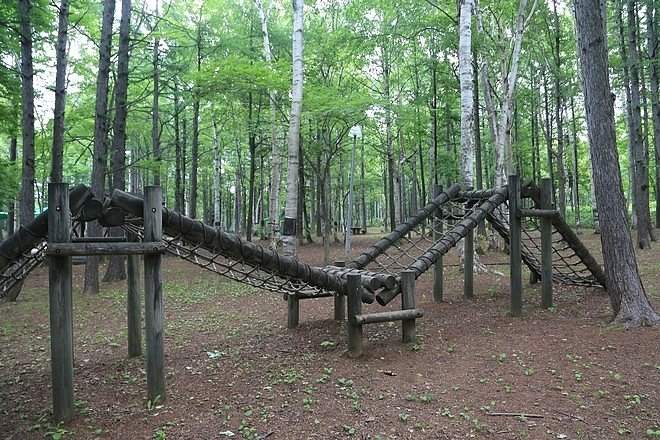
{"x": 197, "y": 97}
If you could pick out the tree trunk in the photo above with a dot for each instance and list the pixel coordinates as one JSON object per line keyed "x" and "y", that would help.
{"x": 653, "y": 44}
{"x": 116, "y": 268}
{"x": 155, "y": 123}
{"x": 60, "y": 93}
{"x": 291, "y": 211}
{"x": 11, "y": 215}
{"x": 100, "y": 137}
{"x": 26, "y": 211}
{"x": 467, "y": 93}
{"x": 217, "y": 171}
{"x": 629, "y": 301}
{"x": 639, "y": 148}
{"x": 178, "y": 153}
{"x": 194, "y": 149}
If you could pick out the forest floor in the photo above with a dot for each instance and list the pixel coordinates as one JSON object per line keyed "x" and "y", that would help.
{"x": 234, "y": 370}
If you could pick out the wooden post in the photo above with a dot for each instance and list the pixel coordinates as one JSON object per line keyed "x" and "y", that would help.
{"x": 468, "y": 265}
{"x": 133, "y": 304}
{"x": 408, "y": 302}
{"x": 61, "y": 305}
{"x": 340, "y": 299}
{"x": 546, "y": 245}
{"x": 153, "y": 295}
{"x": 438, "y": 268}
{"x": 292, "y": 311}
{"x": 515, "y": 257}
{"x": 354, "y": 330}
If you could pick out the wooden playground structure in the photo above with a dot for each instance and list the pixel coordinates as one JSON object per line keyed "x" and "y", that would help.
{"x": 389, "y": 268}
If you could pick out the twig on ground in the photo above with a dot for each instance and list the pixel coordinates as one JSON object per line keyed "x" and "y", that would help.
{"x": 531, "y": 416}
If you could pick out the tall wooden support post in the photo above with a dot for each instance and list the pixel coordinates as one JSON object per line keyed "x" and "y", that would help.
{"x": 468, "y": 265}
{"x": 340, "y": 299}
{"x": 153, "y": 295}
{"x": 61, "y": 304}
{"x": 134, "y": 303}
{"x": 292, "y": 311}
{"x": 438, "y": 267}
{"x": 408, "y": 302}
{"x": 546, "y": 245}
{"x": 354, "y": 293}
{"x": 515, "y": 256}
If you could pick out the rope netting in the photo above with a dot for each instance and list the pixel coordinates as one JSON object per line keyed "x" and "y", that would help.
{"x": 238, "y": 269}
{"x": 20, "y": 268}
{"x": 571, "y": 262}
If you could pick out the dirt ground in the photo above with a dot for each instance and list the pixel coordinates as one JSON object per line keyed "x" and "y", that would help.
{"x": 234, "y": 370}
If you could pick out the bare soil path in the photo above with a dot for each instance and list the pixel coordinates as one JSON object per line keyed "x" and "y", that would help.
{"x": 235, "y": 371}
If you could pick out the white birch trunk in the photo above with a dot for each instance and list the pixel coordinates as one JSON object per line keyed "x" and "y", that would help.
{"x": 291, "y": 211}
{"x": 467, "y": 92}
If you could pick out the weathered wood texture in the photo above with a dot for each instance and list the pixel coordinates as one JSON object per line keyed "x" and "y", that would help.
{"x": 34, "y": 232}
{"x": 407, "y": 303}
{"x": 61, "y": 305}
{"x": 515, "y": 246}
{"x": 133, "y": 303}
{"x": 354, "y": 329}
{"x": 395, "y": 315}
{"x": 546, "y": 245}
{"x": 340, "y": 299}
{"x": 153, "y": 295}
{"x": 438, "y": 266}
{"x": 91, "y": 248}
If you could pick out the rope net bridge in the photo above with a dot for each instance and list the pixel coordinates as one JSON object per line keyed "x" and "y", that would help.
{"x": 416, "y": 245}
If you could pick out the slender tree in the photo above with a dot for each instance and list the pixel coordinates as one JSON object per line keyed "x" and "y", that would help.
{"x": 100, "y": 136}
{"x": 116, "y": 269}
{"x": 653, "y": 45}
{"x": 26, "y": 212}
{"x": 60, "y": 93}
{"x": 291, "y": 212}
{"x": 629, "y": 302}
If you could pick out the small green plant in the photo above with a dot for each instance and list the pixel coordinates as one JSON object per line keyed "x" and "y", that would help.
{"x": 410, "y": 397}
{"x": 404, "y": 417}
{"x": 56, "y": 432}
{"x": 247, "y": 431}
{"x": 159, "y": 434}
{"x": 325, "y": 377}
{"x": 446, "y": 412}
{"x": 151, "y": 405}
{"x": 417, "y": 346}
{"x": 501, "y": 357}
{"x": 327, "y": 344}
{"x": 488, "y": 331}
{"x": 348, "y": 429}
{"x": 451, "y": 348}
{"x": 529, "y": 371}
{"x": 577, "y": 375}
{"x": 308, "y": 402}
{"x": 345, "y": 383}
{"x": 426, "y": 397}
{"x": 653, "y": 432}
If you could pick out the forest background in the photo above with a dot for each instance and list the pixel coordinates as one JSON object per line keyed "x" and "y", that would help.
{"x": 196, "y": 96}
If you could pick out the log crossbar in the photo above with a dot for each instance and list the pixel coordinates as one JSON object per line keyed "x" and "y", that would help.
{"x": 102, "y": 248}
{"x": 397, "y": 315}
{"x": 541, "y": 213}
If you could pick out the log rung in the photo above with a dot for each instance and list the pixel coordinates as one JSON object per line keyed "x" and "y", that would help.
{"x": 98, "y": 239}
{"x": 397, "y": 315}
{"x": 101, "y": 248}
{"x": 541, "y": 213}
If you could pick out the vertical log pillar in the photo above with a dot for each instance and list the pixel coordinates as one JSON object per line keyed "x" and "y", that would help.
{"x": 153, "y": 295}
{"x": 133, "y": 304}
{"x": 354, "y": 293}
{"x": 546, "y": 245}
{"x": 61, "y": 305}
{"x": 292, "y": 311}
{"x": 340, "y": 299}
{"x": 438, "y": 268}
{"x": 515, "y": 256}
{"x": 408, "y": 302}
{"x": 468, "y": 265}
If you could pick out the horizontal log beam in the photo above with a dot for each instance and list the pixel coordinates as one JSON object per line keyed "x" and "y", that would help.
{"x": 396, "y": 315}
{"x": 65, "y": 249}
{"x": 541, "y": 213}
{"x": 98, "y": 240}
